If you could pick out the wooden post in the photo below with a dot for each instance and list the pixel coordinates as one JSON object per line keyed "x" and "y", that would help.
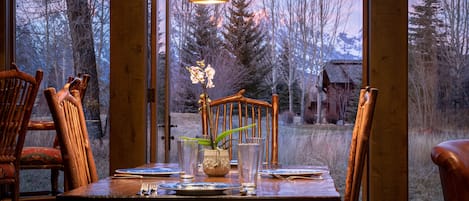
{"x": 388, "y": 72}
{"x": 7, "y": 34}
{"x": 3, "y": 15}
{"x": 128, "y": 84}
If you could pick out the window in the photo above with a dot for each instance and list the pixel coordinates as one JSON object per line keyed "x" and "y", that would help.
{"x": 44, "y": 41}
{"x": 438, "y": 85}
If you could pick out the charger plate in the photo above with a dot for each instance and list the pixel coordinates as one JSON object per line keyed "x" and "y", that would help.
{"x": 197, "y": 188}
{"x": 234, "y": 162}
{"x": 149, "y": 171}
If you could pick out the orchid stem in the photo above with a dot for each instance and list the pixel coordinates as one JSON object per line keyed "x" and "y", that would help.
{"x": 211, "y": 125}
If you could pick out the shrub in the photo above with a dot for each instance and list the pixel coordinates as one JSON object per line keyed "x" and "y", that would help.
{"x": 287, "y": 117}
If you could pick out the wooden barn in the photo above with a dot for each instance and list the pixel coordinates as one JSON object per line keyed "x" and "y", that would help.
{"x": 341, "y": 82}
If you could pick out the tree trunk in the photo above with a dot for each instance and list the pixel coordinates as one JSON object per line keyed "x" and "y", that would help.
{"x": 84, "y": 60}
{"x": 319, "y": 100}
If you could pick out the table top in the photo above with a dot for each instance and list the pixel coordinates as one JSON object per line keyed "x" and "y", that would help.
{"x": 268, "y": 188}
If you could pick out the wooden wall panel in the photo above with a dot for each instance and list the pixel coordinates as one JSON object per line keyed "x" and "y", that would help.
{"x": 388, "y": 72}
{"x": 2, "y": 35}
{"x": 7, "y": 31}
{"x": 128, "y": 83}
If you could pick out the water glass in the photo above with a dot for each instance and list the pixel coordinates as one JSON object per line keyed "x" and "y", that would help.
{"x": 188, "y": 150}
{"x": 248, "y": 160}
{"x": 261, "y": 142}
{"x": 200, "y": 159}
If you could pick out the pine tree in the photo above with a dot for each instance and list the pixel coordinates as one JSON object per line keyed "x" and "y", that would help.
{"x": 424, "y": 34}
{"x": 244, "y": 39}
{"x": 205, "y": 42}
{"x": 425, "y": 39}
{"x": 202, "y": 42}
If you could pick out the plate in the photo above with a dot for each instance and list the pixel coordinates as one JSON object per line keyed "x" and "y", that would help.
{"x": 234, "y": 162}
{"x": 293, "y": 172}
{"x": 148, "y": 171}
{"x": 197, "y": 188}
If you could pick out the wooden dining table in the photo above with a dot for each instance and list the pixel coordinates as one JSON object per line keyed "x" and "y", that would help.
{"x": 268, "y": 187}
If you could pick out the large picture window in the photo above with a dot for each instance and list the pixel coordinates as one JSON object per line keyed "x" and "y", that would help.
{"x": 308, "y": 52}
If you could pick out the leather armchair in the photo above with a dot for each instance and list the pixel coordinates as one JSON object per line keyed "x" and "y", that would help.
{"x": 452, "y": 158}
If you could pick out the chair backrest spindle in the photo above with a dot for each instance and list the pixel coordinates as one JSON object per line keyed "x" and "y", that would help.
{"x": 359, "y": 145}
{"x": 67, "y": 112}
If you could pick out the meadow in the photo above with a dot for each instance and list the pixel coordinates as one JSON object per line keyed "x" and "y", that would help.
{"x": 300, "y": 144}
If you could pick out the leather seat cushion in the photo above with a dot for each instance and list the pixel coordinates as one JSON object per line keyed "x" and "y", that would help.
{"x": 40, "y": 156}
{"x": 7, "y": 171}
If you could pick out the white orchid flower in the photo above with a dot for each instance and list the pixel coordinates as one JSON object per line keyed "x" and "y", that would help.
{"x": 201, "y": 72}
{"x": 210, "y": 73}
{"x": 197, "y": 76}
{"x": 210, "y": 84}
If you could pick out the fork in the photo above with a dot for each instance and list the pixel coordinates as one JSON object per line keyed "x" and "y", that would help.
{"x": 289, "y": 178}
{"x": 153, "y": 188}
{"x": 304, "y": 177}
{"x": 144, "y": 189}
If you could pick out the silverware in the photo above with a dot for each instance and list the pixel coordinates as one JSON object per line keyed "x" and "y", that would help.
{"x": 154, "y": 188}
{"x": 126, "y": 176}
{"x": 147, "y": 189}
{"x": 143, "y": 189}
{"x": 303, "y": 177}
{"x": 289, "y": 178}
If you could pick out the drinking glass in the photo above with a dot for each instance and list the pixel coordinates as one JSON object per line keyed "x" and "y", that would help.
{"x": 248, "y": 160}
{"x": 188, "y": 150}
{"x": 261, "y": 142}
{"x": 200, "y": 158}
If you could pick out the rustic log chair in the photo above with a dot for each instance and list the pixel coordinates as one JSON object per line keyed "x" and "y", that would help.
{"x": 359, "y": 145}
{"x": 236, "y": 111}
{"x": 49, "y": 157}
{"x": 18, "y": 91}
{"x": 69, "y": 120}
{"x": 452, "y": 159}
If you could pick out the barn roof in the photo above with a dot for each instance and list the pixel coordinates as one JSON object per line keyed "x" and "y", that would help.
{"x": 343, "y": 72}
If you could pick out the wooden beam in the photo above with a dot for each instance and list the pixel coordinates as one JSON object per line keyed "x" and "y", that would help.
{"x": 128, "y": 84}
{"x": 388, "y": 72}
{"x": 7, "y": 33}
{"x": 3, "y": 15}
{"x": 366, "y": 44}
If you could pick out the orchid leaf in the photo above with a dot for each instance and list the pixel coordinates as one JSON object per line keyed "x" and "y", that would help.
{"x": 201, "y": 141}
{"x": 222, "y": 135}
{"x": 205, "y": 142}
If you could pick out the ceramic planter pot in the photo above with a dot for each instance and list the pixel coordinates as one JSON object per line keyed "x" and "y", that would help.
{"x": 216, "y": 162}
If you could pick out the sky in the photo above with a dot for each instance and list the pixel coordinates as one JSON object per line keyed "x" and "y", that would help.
{"x": 355, "y": 15}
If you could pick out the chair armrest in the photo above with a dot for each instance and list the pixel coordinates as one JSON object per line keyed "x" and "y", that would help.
{"x": 453, "y": 157}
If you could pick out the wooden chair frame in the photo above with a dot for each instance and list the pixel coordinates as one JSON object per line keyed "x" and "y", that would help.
{"x": 18, "y": 91}
{"x": 79, "y": 83}
{"x": 69, "y": 120}
{"x": 359, "y": 145}
{"x": 240, "y": 110}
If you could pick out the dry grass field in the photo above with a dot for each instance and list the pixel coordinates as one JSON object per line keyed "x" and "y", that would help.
{"x": 307, "y": 144}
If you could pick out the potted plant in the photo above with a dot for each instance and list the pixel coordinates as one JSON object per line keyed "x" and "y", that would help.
{"x": 216, "y": 160}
